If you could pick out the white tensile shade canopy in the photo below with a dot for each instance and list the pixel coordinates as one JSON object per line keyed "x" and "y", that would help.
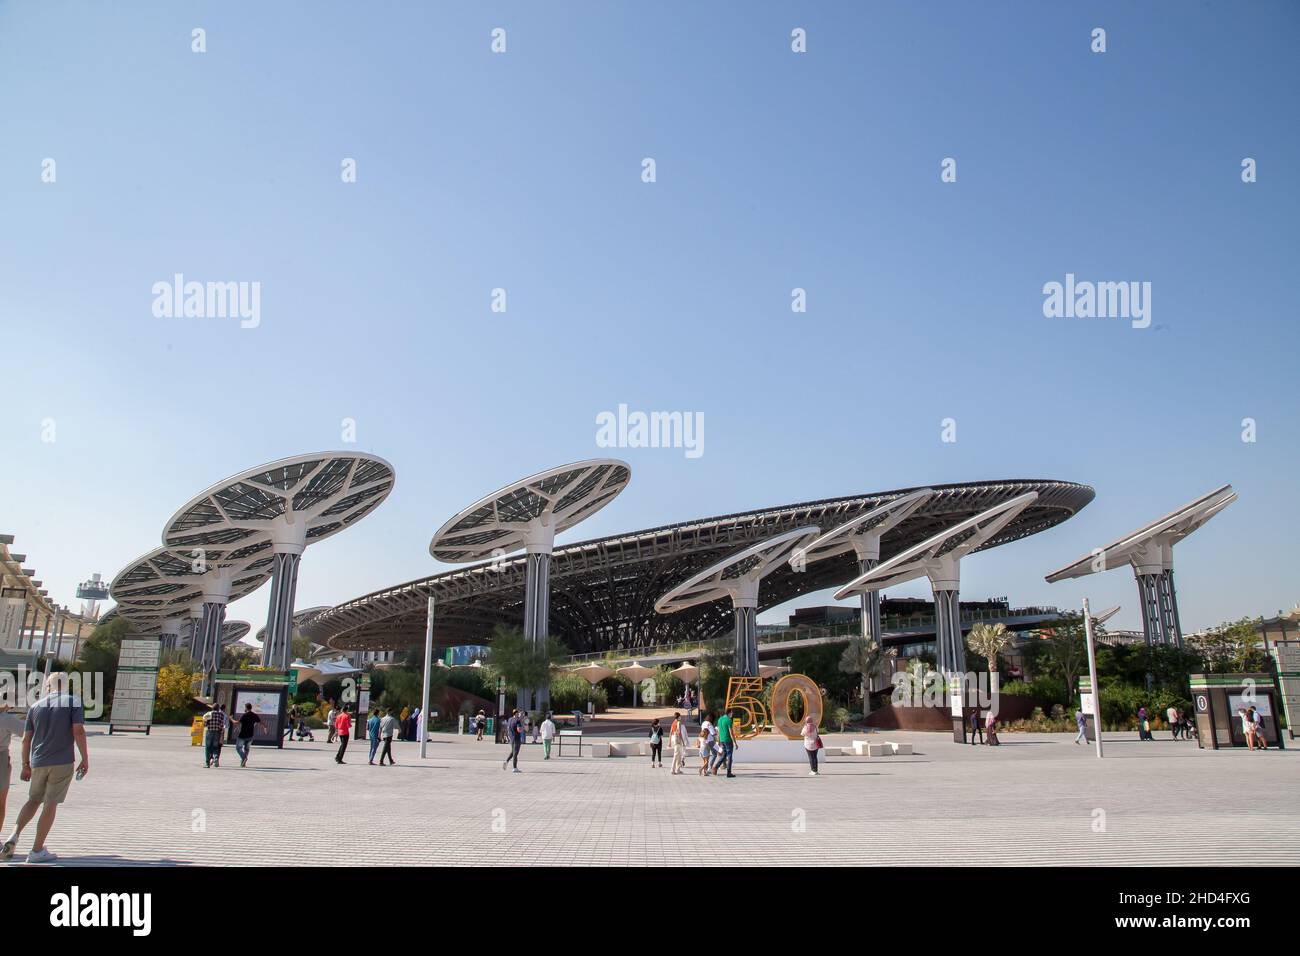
{"x": 276, "y": 510}
{"x": 1150, "y": 552}
{"x": 687, "y": 673}
{"x": 636, "y": 672}
{"x": 527, "y": 515}
{"x": 939, "y": 559}
{"x": 593, "y": 673}
{"x": 771, "y": 670}
{"x": 862, "y": 536}
{"x": 306, "y": 672}
{"x": 738, "y": 577}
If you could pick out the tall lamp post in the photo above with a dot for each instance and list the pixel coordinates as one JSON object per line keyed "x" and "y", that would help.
{"x": 423, "y": 722}
{"x": 1092, "y": 675}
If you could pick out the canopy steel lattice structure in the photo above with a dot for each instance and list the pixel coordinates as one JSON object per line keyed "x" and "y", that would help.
{"x": 527, "y": 515}
{"x": 862, "y": 536}
{"x": 1150, "y": 552}
{"x": 276, "y": 510}
{"x": 160, "y": 590}
{"x": 939, "y": 559}
{"x": 738, "y": 577}
{"x": 603, "y": 591}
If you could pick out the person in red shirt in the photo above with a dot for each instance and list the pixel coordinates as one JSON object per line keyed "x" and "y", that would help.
{"x": 343, "y": 724}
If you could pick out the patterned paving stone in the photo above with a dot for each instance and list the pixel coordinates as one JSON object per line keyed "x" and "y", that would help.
{"x": 1037, "y": 800}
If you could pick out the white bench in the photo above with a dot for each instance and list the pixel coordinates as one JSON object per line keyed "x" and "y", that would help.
{"x": 867, "y": 748}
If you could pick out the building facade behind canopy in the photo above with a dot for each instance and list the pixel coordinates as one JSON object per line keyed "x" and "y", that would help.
{"x": 604, "y": 590}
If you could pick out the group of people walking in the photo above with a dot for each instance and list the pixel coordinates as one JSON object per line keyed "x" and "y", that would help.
{"x": 715, "y": 744}
{"x": 518, "y": 726}
{"x": 984, "y": 726}
{"x": 215, "y": 722}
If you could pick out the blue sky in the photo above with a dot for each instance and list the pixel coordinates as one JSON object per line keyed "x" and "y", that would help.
{"x": 775, "y": 170}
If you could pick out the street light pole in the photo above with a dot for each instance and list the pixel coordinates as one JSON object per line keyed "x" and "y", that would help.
{"x": 1092, "y": 676}
{"x": 423, "y": 722}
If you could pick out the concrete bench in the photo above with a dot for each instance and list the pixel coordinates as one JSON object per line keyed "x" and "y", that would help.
{"x": 867, "y": 748}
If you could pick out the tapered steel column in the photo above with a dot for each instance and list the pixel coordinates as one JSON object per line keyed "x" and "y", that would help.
{"x": 277, "y": 646}
{"x": 214, "y": 617}
{"x": 950, "y": 649}
{"x": 1149, "y": 601}
{"x": 537, "y": 609}
{"x": 870, "y": 604}
{"x": 1169, "y": 624}
{"x": 746, "y": 658}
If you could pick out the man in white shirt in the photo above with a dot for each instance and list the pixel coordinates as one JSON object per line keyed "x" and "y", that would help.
{"x": 548, "y": 734}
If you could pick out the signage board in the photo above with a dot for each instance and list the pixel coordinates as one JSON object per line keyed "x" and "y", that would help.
{"x": 13, "y": 610}
{"x": 136, "y": 685}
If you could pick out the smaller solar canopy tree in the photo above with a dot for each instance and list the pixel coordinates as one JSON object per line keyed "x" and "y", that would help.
{"x": 160, "y": 586}
{"x": 277, "y": 510}
{"x": 738, "y": 577}
{"x": 1150, "y": 552}
{"x": 862, "y": 536}
{"x": 528, "y": 515}
{"x": 939, "y": 559}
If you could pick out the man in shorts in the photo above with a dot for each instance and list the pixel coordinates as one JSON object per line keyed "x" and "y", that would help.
{"x": 54, "y": 724}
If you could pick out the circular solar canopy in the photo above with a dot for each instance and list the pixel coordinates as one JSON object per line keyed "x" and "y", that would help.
{"x": 863, "y": 532}
{"x": 1164, "y": 532}
{"x": 234, "y": 631}
{"x": 735, "y": 576}
{"x": 530, "y": 512}
{"x": 287, "y": 504}
{"x": 604, "y": 590}
{"x": 946, "y": 547}
{"x": 300, "y": 618}
{"x": 167, "y": 583}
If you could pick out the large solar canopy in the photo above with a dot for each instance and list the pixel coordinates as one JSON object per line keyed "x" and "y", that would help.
{"x": 232, "y": 632}
{"x": 326, "y": 492}
{"x": 603, "y": 591}
{"x": 1166, "y": 531}
{"x": 509, "y": 519}
{"x": 168, "y": 583}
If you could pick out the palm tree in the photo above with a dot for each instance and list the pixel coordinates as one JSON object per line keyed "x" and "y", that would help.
{"x": 864, "y": 656}
{"x": 988, "y": 642}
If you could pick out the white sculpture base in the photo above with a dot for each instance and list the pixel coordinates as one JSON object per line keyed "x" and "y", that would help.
{"x": 774, "y": 750}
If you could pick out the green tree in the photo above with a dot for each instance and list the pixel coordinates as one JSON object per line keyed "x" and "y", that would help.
{"x": 1231, "y": 647}
{"x": 1063, "y": 653}
{"x": 100, "y": 652}
{"x": 988, "y": 641}
{"x": 821, "y": 664}
{"x": 175, "y": 692}
{"x": 514, "y": 658}
{"x": 864, "y": 656}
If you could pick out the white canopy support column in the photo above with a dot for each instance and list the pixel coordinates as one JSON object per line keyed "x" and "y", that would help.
{"x": 528, "y": 514}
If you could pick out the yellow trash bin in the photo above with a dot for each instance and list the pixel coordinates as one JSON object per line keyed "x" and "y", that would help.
{"x": 196, "y": 732}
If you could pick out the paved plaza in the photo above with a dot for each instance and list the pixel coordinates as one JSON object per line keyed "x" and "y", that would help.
{"x": 1037, "y": 800}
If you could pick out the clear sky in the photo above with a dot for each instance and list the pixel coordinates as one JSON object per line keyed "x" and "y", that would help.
{"x": 775, "y": 170}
